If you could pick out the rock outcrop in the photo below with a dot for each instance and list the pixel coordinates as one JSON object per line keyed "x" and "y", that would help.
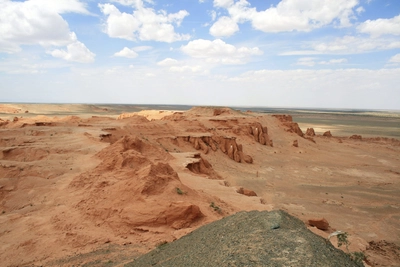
{"x": 260, "y": 134}
{"x": 248, "y": 239}
{"x": 356, "y": 137}
{"x": 310, "y": 132}
{"x": 200, "y": 165}
{"x": 327, "y": 134}
{"x": 291, "y": 126}
{"x": 296, "y": 143}
{"x": 246, "y": 192}
{"x": 226, "y": 144}
{"x": 128, "y": 175}
{"x": 321, "y": 224}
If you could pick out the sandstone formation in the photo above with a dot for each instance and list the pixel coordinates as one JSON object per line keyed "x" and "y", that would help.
{"x": 296, "y": 143}
{"x": 321, "y": 224}
{"x": 327, "y": 134}
{"x": 310, "y": 132}
{"x": 356, "y": 137}
{"x": 260, "y": 134}
{"x": 154, "y": 175}
{"x": 226, "y": 144}
{"x": 3, "y": 122}
{"x": 200, "y": 165}
{"x": 128, "y": 175}
{"x": 246, "y": 192}
{"x": 291, "y": 126}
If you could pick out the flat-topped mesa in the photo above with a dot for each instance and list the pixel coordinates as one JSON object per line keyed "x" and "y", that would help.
{"x": 226, "y": 144}
{"x": 260, "y": 134}
{"x": 213, "y": 111}
{"x": 291, "y": 126}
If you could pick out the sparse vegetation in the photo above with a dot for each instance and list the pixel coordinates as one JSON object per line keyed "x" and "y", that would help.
{"x": 215, "y": 207}
{"x": 342, "y": 239}
{"x": 179, "y": 191}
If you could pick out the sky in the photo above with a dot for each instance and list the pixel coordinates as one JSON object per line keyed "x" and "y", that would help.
{"x": 265, "y": 53}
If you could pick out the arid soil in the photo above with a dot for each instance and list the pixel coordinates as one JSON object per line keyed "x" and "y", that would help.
{"x": 102, "y": 188}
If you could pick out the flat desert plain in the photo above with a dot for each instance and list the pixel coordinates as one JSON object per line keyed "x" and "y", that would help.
{"x": 98, "y": 185}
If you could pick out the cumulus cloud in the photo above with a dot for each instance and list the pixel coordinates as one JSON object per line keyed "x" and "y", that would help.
{"x": 223, "y": 3}
{"x": 380, "y": 27}
{"x": 395, "y": 59}
{"x": 144, "y": 23}
{"x": 291, "y": 15}
{"x": 167, "y": 62}
{"x": 39, "y": 22}
{"x": 76, "y": 52}
{"x": 218, "y": 51}
{"x": 126, "y": 52}
{"x": 225, "y": 26}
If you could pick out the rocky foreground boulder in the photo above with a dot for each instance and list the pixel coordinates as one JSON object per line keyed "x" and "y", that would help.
{"x": 248, "y": 239}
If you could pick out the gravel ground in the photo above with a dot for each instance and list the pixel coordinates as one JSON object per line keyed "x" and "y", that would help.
{"x": 248, "y": 239}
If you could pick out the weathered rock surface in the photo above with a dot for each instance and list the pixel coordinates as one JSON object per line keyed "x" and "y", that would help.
{"x": 321, "y": 224}
{"x": 327, "y": 134}
{"x": 291, "y": 126}
{"x": 296, "y": 143}
{"x": 260, "y": 134}
{"x": 356, "y": 137}
{"x": 310, "y": 132}
{"x": 226, "y": 144}
{"x": 248, "y": 239}
{"x": 246, "y": 192}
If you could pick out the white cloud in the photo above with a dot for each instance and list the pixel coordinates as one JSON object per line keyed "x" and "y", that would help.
{"x": 76, "y": 52}
{"x": 213, "y": 15}
{"x": 380, "y": 27}
{"x": 223, "y": 3}
{"x": 352, "y": 44}
{"x": 61, "y": 6}
{"x": 333, "y": 61}
{"x": 360, "y": 10}
{"x": 311, "y": 61}
{"x": 39, "y": 22}
{"x": 126, "y": 52}
{"x": 225, "y": 26}
{"x": 306, "y": 61}
{"x": 218, "y": 51}
{"x": 144, "y": 23}
{"x": 27, "y": 23}
{"x": 167, "y": 62}
{"x": 395, "y": 59}
{"x": 292, "y": 15}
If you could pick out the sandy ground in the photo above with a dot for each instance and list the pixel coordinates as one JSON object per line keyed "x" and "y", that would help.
{"x": 76, "y": 189}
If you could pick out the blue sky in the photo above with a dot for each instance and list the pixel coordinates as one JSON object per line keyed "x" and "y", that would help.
{"x": 288, "y": 53}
